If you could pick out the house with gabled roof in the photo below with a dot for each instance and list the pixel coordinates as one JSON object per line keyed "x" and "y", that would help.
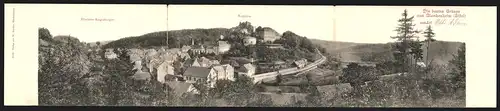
{"x": 185, "y": 48}
{"x": 269, "y": 35}
{"x": 197, "y": 49}
{"x": 202, "y": 75}
{"x": 163, "y": 70}
{"x": 184, "y": 56}
{"x": 300, "y": 63}
{"x": 180, "y": 88}
{"x": 204, "y": 62}
{"x": 224, "y": 72}
{"x": 247, "y": 69}
{"x": 249, "y": 40}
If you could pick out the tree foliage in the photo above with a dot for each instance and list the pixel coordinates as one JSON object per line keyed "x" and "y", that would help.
{"x": 429, "y": 37}
{"x": 44, "y": 34}
{"x": 406, "y": 45}
{"x": 176, "y": 38}
{"x": 62, "y": 69}
{"x": 458, "y": 70}
{"x": 357, "y": 75}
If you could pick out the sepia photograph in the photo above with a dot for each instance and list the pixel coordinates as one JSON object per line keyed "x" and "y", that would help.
{"x": 253, "y": 56}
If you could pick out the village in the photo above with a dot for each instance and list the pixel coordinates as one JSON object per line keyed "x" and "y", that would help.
{"x": 181, "y": 68}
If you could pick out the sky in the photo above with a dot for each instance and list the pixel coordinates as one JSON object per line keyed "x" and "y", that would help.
{"x": 310, "y": 21}
{"x": 127, "y": 20}
{"x": 375, "y": 24}
{"x": 361, "y": 24}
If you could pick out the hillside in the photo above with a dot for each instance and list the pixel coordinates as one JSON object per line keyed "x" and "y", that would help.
{"x": 176, "y": 38}
{"x": 441, "y": 51}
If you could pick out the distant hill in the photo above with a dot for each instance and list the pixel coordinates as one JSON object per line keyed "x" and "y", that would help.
{"x": 176, "y": 38}
{"x": 93, "y": 44}
{"x": 440, "y": 51}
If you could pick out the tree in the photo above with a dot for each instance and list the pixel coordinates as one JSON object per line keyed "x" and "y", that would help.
{"x": 65, "y": 65}
{"x": 356, "y": 75}
{"x": 458, "y": 71}
{"x": 404, "y": 46}
{"x": 429, "y": 35}
{"x": 44, "y": 34}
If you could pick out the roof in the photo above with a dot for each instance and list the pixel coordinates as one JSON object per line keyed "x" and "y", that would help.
{"x": 214, "y": 62}
{"x": 178, "y": 87}
{"x": 219, "y": 69}
{"x": 300, "y": 62}
{"x": 170, "y": 58}
{"x": 247, "y": 67}
{"x": 186, "y": 47}
{"x": 197, "y": 72}
{"x": 223, "y": 42}
{"x": 233, "y": 63}
{"x": 204, "y": 60}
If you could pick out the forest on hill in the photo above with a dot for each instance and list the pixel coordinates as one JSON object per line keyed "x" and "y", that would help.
{"x": 441, "y": 51}
{"x": 176, "y": 38}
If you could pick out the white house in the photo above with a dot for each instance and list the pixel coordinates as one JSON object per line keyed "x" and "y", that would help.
{"x": 300, "y": 63}
{"x": 198, "y": 49}
{"x": 150, "y": 52}
{"x": 201, "y": 75}
{"x": 269, "y": 34}
{"x": 247, "y": 69}
{"x": 248, "y": 40}
{"x": 137, "y": 65}
{"x": 163, "y": 70}
{"x": 204, "y": 62}
{"x": 224, "y": 72}
{"x": 110, "y": 54}
{"x": 223, "y": 47}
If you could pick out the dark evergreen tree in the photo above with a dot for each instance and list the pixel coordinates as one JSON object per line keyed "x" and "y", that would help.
{"x": 429, "y": 37}
{"x": 404, "y": 46}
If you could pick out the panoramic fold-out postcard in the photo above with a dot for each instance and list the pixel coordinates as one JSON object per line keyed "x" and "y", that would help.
{"x": 250, "y": 55}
